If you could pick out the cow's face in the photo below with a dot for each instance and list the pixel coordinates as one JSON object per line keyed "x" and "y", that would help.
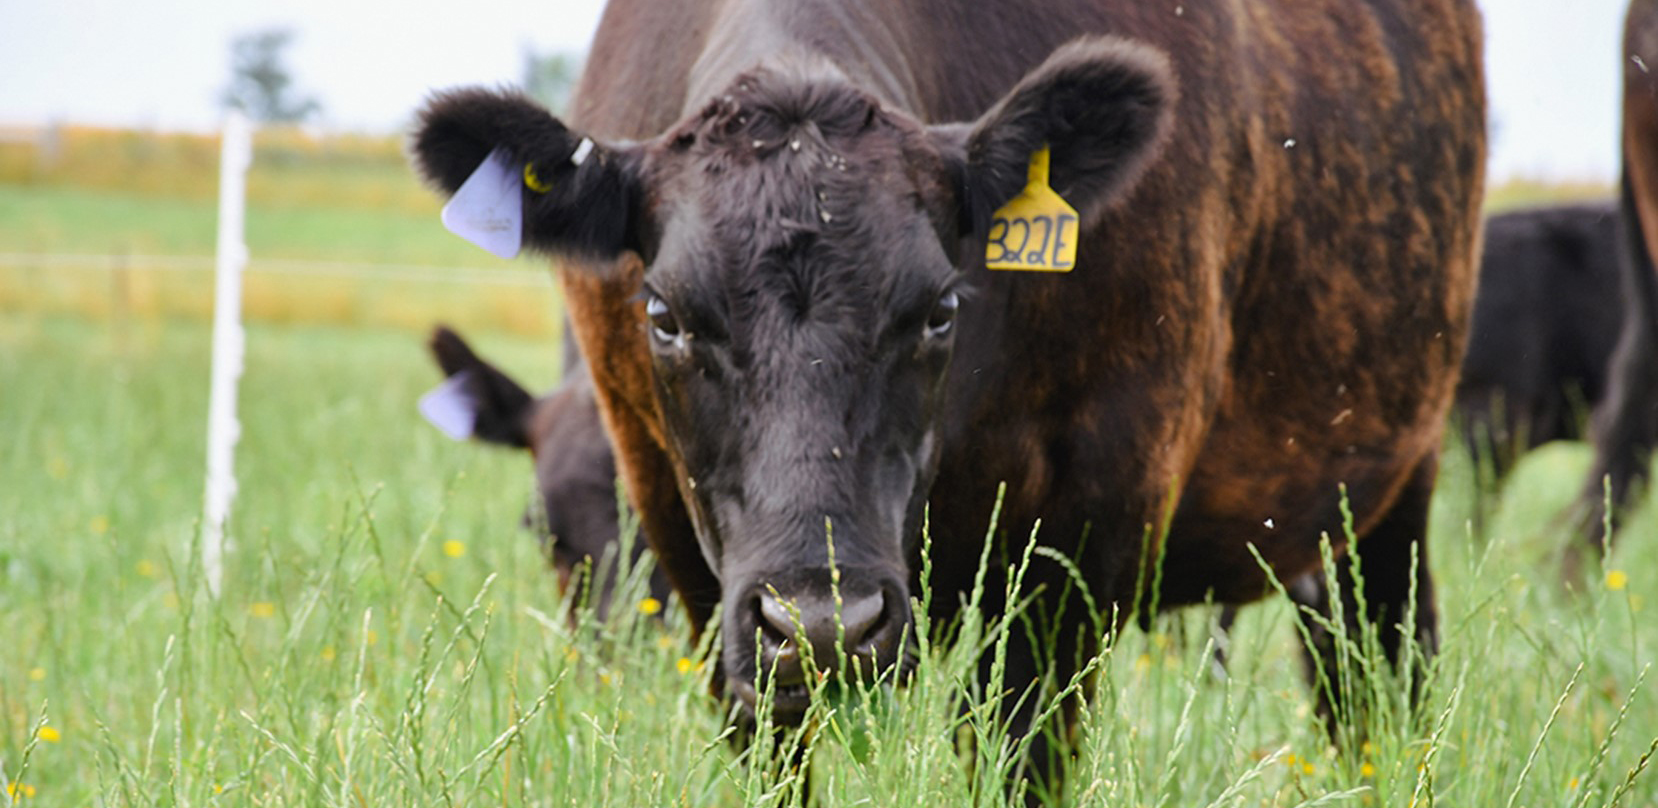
{"x": 801, "y": 299}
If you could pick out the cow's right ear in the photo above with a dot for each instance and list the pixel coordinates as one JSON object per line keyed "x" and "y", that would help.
{"x": 579, "y": 197}
{"x": 1104, "y": 106}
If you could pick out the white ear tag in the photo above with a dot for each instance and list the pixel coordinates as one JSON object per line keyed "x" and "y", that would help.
{"x": 488, "y": 210}
{"x": 449, "y": 408}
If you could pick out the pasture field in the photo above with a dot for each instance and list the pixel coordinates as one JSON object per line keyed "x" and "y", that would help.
{"x": 388, "y": 636}
{"x": 109, "y": 222}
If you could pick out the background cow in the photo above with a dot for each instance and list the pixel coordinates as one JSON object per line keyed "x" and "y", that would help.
{"x": 575, "y": 474}
{"x": 1546, "y": 320}
{"x": 774, "y": 225}
{"x": 1626, "y": 426}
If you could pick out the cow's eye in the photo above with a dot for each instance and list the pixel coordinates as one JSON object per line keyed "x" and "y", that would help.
{"x": 943, "y": 315}
{"x": 663, "y": 325}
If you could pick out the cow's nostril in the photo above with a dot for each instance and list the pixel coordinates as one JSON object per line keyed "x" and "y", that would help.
{"x": 863, "y": 619}
{"x": 860, "y": 619}
{"x": 776, "y": 621}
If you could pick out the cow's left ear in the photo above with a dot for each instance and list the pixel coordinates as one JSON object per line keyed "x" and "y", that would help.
{"x": 578, "y": 196}
{"x": 1103, "y": 105}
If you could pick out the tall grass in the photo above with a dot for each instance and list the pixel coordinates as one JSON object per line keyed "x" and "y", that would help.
{"x": 387, "y": 635}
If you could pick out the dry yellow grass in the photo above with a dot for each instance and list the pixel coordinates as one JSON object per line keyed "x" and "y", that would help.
{"x": 525, "y": 303}
{"x": 312, "y": 197}
{"x": 290, "y": 166}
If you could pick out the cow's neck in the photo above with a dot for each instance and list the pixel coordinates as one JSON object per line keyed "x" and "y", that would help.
{"x": 859, "y": 38}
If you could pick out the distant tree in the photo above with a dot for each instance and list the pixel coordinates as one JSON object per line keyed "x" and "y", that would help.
{"x": 551, "y": 77}
{"x": 261, "y": 84}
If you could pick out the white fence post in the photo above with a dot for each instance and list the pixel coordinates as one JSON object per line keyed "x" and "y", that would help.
{"x": 222, "y": 426}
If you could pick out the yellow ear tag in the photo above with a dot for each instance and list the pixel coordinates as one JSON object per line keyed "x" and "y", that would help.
{"x": 1036, "y": 230}
{"x": 533, "y": 182}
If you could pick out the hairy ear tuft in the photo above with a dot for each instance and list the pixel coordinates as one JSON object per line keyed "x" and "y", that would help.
{"x": 586, "y": 195}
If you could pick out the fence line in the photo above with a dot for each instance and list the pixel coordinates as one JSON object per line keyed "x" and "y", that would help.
{"x": 283, "y": 266}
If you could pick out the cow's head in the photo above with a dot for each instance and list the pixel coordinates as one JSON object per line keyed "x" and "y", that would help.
{"x": 575, "y": 472}
{"x": 805, "y": 250}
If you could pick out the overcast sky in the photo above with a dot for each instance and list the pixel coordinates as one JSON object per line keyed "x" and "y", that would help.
{"x": 1553, "y": 64}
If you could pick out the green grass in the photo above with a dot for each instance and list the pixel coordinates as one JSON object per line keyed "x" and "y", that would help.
{"x": 388, "y": 636}
{"x": 71, "y": 219}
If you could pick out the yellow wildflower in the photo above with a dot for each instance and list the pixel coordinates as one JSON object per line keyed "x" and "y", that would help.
{"x": 684, "y": 664}
{"x": 650, "y": 606}
{"x": 50, "y": 734}
{"x": 146, "y": 569}
{"x": 328, "y": 653}
{"x": 263, "y": 608}
{"x": 20, "y": 790}
{"x": 1616, "y": 580}
{"x": 1367, "y": 770}
{"x": 454, "y": 549}
{"x": 37, "y": 674}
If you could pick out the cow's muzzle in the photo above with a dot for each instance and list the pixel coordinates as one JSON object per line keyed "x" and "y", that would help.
{"x": 793, "y": 638}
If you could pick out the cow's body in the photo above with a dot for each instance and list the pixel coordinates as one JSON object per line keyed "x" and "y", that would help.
{"x": 1626, "y": 425}
{"x": 1092, "y": 394}
{"x": 1276, "y": 307}
{"x": 1545, "y": 324}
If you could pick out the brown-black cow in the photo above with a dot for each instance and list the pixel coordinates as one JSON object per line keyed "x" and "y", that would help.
{"x": 773, "y": 220}
{"x": 1546, "y": 321}
{"x": 1626, "y": 425}
{"x": 575, "y": 473}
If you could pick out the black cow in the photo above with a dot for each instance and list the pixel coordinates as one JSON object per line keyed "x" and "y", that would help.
{"x": 1626, "y": 424}
{"x": 575, "y": 473}
{"x": 774, "y": 223}
{"x": 1546, "y": 321}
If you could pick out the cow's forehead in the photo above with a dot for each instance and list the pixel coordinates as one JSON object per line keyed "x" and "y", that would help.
{"x": 758, "y": 238}
{"x": 786, "y": 171}
{"x": 786, "y": 159}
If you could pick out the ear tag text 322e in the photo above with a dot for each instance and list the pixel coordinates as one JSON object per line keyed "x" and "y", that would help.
{"x": 488, "y": 210}
{"x": 1036, "y": 230}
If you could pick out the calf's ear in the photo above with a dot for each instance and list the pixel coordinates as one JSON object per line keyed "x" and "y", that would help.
{"x": 501, "y": 408}
{"x": 579, "y": 197}
{"x": 1103, "y": 105}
